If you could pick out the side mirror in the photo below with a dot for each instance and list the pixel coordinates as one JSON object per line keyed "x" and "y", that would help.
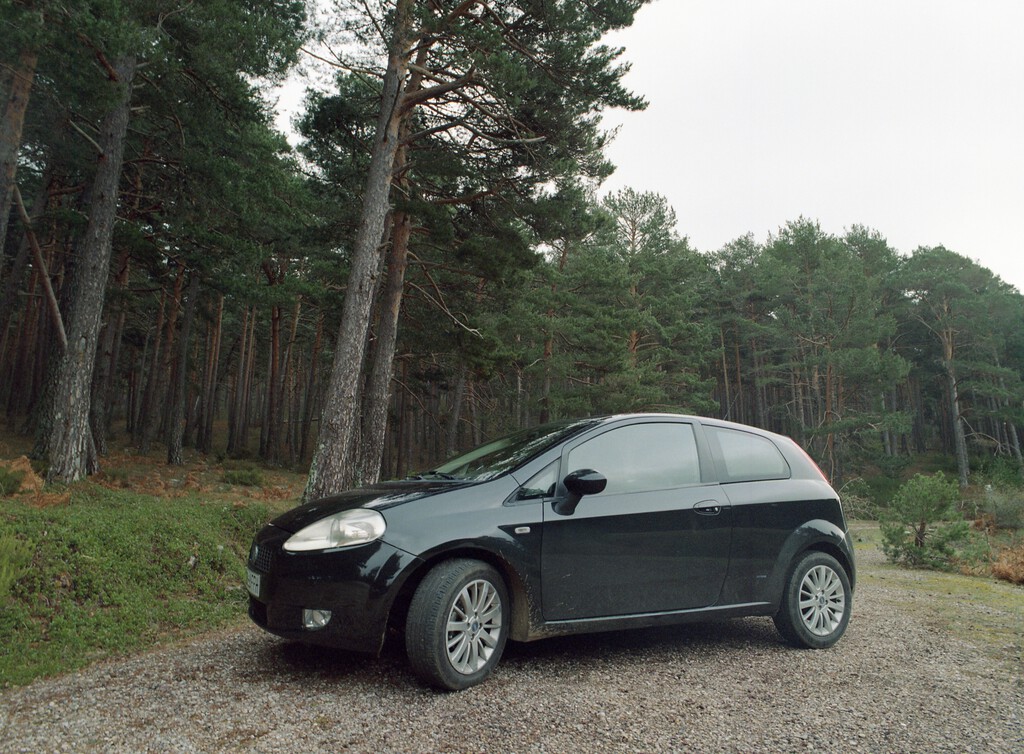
{"x": 579, "y": 483}
{"x": 585, "y": 482}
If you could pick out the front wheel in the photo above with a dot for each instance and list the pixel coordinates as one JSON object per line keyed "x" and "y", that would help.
{"x": 457, "y": 624}
{"x": 816, "y": 602}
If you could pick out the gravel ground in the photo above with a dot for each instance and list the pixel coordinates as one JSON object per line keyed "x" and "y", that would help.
{"x": 893, "y": 684}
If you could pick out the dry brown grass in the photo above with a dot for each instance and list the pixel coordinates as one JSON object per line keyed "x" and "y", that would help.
{"x": 31, "y": 487}
{"x": 1009, "y": 564}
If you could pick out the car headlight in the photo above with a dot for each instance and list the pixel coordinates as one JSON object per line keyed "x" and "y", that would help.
{"x": 345, "y": 529}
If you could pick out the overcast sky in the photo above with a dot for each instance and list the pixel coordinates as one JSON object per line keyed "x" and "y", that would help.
{"x": 906, "y": 116}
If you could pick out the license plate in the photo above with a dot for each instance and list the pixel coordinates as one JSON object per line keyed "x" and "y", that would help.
{"x": 252, "y": 582}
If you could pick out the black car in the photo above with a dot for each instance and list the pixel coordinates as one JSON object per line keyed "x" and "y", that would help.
{"x": 591, "y": 525}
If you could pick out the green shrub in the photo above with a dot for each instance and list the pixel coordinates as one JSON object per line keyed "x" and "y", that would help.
{"x": 998, "y": 471}
{"x": 15, "y": 557}
{"x": 10, "y": 481}
{"x": 923, "y": 526}
{"x": 1004, "y": 508}
{"x": 244, "y": 477}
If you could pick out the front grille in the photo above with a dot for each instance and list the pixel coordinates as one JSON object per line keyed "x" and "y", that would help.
{"x": 261, "y": 558}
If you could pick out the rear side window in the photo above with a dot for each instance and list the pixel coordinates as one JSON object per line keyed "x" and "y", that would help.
{"x": 747, "y": 457}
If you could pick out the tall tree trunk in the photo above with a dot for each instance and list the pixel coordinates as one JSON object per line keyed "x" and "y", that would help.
{"x": 106, "y": 366}
{"x": 377, "y": 397}
{"x": 155, "y": 411}
{"x": 829, "y": 418}
{"x": 11, "y": 123}
{"x": 726, "y": 409}
{"x": 741, "y": 399}
{"x": 67, "y": 424}
{"x": 236, "y": 407}
{"x": 149, "y": 377}
{"x": 286, "y": 385}
{"x": 455, "y": 414}
{"x": 959, "y": 436}
{"x": 311, "y": 389}
{"x": 887, "y": 439}
{"x": 281, "y": 389}
{"x": 136, "y": 386}
{"x": 270, "y": 435}
{"x": 176, "y": 435}
{"x": 1011, "y": 430}
{"x": 244, "y": 393}
{"x": 1011, "y": 433}
{"x": 29, "y": 344}
{"x": 340, "y": 418}
{"x": 209, "y": 407}
{"x": 549, "y": 340}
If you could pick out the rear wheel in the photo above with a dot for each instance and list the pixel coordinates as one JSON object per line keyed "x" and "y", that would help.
{"x": 816, "y": 603}
{"x": 457, "y": 624}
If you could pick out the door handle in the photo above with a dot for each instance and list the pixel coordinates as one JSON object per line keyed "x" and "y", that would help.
{"x": 708, "y": 508}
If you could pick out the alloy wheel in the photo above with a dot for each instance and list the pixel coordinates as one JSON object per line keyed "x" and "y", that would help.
{"x": 474, "y": 626}
{"x": 822, "y": 600}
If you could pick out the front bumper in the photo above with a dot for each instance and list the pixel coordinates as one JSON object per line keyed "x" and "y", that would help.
{"x": 358, "y": 585}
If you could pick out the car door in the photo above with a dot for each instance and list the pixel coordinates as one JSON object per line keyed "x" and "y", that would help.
{"x": 656, "y": 539}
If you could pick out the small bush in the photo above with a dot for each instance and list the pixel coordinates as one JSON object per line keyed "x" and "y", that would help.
{"x": 15, "y": 557}
{"x": 923, "y": 526}
{"x": 244, "y": 477}
{"x": 1004, "y": 508}
{"x": 857, "y": 500}
{"x": 998, "y": 471}
{"x": 10, "y": 481}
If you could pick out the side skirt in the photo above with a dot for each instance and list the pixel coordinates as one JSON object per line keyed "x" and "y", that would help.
{"x": 550, "y": 629}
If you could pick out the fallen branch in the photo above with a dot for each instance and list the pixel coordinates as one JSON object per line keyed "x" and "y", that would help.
{"x": 37, "y": 255}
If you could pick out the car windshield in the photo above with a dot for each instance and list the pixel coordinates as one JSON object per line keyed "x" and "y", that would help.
{"x": 499, "y": 456}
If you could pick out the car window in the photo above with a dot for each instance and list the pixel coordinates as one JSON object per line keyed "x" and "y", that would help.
{"x": 641, "y": 457}
{"x": 748, "y": 457}
{"x": 540, "y": 485}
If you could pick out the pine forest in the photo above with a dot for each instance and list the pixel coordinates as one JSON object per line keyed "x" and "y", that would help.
{"x": 434, "y": 263}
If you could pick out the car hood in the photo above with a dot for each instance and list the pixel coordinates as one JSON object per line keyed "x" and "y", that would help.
{"x": 378, "y": 496}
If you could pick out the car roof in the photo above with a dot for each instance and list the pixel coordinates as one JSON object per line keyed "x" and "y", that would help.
{"x": 706, "y": 420}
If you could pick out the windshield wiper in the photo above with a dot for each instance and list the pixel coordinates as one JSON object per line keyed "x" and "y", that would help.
{"x": 432, "y": 474}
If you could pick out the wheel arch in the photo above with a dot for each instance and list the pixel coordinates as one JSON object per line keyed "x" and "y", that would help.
{"x": 830, "y": 548}
{"x": 517, "y": 591}
{"x": 814, "y": 536}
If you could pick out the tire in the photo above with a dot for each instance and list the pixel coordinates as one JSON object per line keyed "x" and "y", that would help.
{"x": 816, "y": 602}
{"x": 457, "y": 624}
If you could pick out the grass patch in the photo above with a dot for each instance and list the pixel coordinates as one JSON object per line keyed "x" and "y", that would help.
{"x": 10, "y": 481}
{"x": 980, "y": 610}
{"x": 15, "y": 556}
{"x": 114, "y": 571}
